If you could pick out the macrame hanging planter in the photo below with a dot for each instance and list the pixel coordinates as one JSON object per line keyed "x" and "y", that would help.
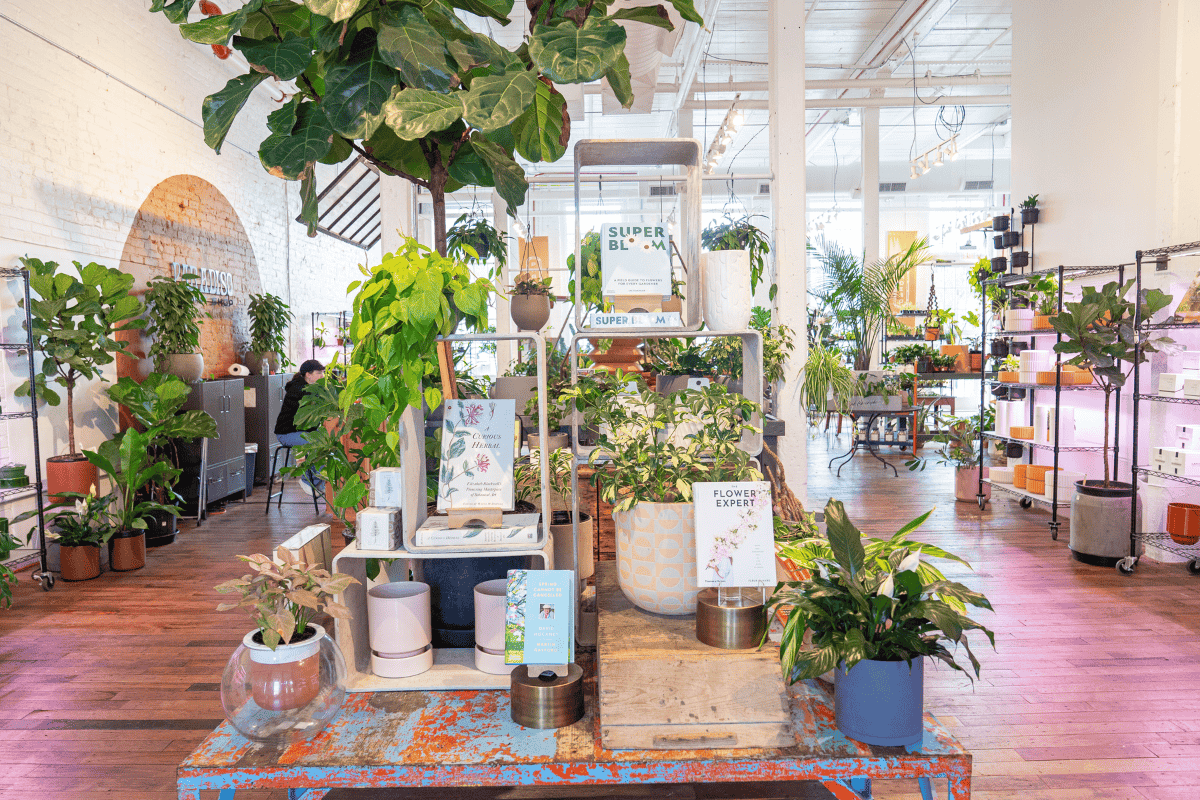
{"x": 933, "y": 327}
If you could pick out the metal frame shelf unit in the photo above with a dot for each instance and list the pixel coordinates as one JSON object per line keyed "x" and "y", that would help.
{"x": 1125, "y": 566}
{"x": 43, "y": 575}
{"x": 343, "y": 325}
{"x": 1008, "y": 282}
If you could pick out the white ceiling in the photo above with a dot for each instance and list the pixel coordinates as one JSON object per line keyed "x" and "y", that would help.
{"x": 947, "y": 37}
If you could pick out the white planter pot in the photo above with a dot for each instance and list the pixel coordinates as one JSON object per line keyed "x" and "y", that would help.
{"x": 656, "y": 556}
{"x": 728, "y": 300}
{"x": 188, "y": 366}
{"x": 490, "y": 603}
{"x": 400, "y": 629}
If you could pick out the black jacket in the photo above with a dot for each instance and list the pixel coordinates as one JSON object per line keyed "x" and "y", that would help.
{"x": 293, "y": 390}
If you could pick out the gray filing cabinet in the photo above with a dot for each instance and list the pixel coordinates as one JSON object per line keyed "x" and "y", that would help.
{"x": 224, "y": 400}
{"x": 262, "y": 409}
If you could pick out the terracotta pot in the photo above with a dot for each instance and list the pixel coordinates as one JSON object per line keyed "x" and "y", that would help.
{"x": 127, "y": 550}
{"x": 1009, "y": 377}
{"x": 623, "y": 354}
{"x": 1041, "y": 322}
{"x": 1183, "y": 523}
{"x": 932, "y": 333}
{"x": 656, "y": 557}
{"x": 558, "y": 440}
{"x": 188, "y": 366}
{"x": 976, "y": 360}
{"x": 960, "y": 356}
{"x": 80, "y": 563}
{"x": 287, "y": 677}
{"x": 530, "y": 311}
{"x": 69, "y": 474}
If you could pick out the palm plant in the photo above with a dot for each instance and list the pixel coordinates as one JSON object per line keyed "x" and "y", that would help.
{"x": 860, "y": 298}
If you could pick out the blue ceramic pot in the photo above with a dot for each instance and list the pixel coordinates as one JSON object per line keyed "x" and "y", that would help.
{"x": 881, "y": 702}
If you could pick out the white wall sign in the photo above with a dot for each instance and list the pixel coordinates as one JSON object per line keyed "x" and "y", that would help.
{"x": 208, "y": 281}
{"x": 635, "y": 259}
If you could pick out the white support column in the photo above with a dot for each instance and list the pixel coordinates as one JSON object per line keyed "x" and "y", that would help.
{"x": 504, "y": 350}
{"x": 785, "y": 45}
{"x": 397, "y": 209}
{"x": 870, "y": 196}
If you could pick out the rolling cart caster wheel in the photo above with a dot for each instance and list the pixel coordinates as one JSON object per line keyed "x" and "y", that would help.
{"x": 1054, "y": 534}
{"x": 982, "y": 503}
{"x": 46, "y": 579}
{"x": 1125, "y": 565}
{"x": 1194, "y": 567}
{"x": 1026, "y": 502}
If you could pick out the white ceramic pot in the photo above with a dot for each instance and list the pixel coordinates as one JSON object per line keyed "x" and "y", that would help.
{"x": 398, "y": 618}
{"x": 656, "y": 556}
{"x": 188, "y": 366}
{"x": 728, "y": 300}
{"x": 490, "y": 603}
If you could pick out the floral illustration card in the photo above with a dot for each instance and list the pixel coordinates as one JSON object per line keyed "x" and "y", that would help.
{"x": 477, "y": 455}
{"x": 735, "y": 534}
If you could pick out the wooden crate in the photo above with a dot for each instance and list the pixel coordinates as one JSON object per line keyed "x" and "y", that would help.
{"x": 660, "y": 688}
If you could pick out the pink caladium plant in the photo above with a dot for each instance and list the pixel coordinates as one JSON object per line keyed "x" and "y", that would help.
{"x": 282, "y": 598}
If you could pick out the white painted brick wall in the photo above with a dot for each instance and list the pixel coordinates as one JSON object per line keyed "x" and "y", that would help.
{"x": 80, "y": 151}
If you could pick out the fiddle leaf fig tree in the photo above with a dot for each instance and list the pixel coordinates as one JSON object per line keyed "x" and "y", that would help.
{"x": 269, "y": 318}
{"x": 413, "y": 88}
{"x": 1099, "y": 335}
{"x": 75, "y": 327}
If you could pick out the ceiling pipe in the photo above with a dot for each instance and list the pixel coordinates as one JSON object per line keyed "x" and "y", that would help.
{"x": 879, "y": 102}
{"x": 907, "y": 83}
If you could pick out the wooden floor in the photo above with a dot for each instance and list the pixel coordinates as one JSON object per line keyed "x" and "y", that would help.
{"x": 1093, "y": 692}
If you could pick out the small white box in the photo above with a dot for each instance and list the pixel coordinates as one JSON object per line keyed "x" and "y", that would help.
{"x": 1158, "y": 465}
{"x": 1175, "y": 456}
{"x": 378, "y": 528}
{"x": 1162, "y": 453}
{"x": 1191, "y": 359}
{"x": 1190, "y": 461}
{"x": 1170, "y": 382}
{"x": 1191, "y": 387}
{"x": 1187, "y": 433}
{"x": 387, "y": 487}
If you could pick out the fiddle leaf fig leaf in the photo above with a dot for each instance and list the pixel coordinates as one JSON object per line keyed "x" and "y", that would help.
{"x": 620, "y": 81}
{"x": 336, "y": 10}
{"x": 286, "y": 155}
{"x": 283, "y": 119}
{"x": 284, "y": 60}
{"x": 415, "y": 113}
{"x": 651, "y": 15}
{"x": 219, "y": 109}
{"x": 687, "y": 10}
{"x": 496, "y": 9}
{"x": 176, "y": 11}
{"x": 357, "y": 89}
{"x": 496, "y": 100}
{"x": 508, "y": 176}
{"x": 566, "y": 53}
{"x": 544, "y": 129}
{"x": 218, "y": 29}
{"x": 410, "y": 44}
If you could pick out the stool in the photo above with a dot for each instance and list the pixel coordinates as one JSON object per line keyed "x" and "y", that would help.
{"x": 283, "y": 480}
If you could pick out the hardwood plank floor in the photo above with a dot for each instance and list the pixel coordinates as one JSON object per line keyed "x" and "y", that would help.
{"x": 1091, "y": 694}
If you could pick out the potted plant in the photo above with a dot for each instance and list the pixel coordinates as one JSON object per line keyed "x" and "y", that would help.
{"x": 650, "y": 477}
{"x": 12, "y": 476}
{"x": 724, "y": 354}
{"x": 555, "y": 411}
{"x": 76, "y": 322}
{"x": 735, "y": 261}
{"x": 1029, "y": 210}
{"x": 591, "y": 282}
{"x": 1009, "y": 369}
{"x": 827, "y": 384}
{"x": 474, "y": 240}
{"x": 527, "y": 480}
{"x": 80, "y": 530}
{"x": 319, "y": 337}
{"x": 875, "y": 620}
{"x": 173, "y": 312}
{"x": 286, "y": 662}
{"x": 1098, "y": 335}
{"x": 127, "y": 461}
{"x": 530, "y": 302}
{"x": 959, "y": 449}
{"x": 269, "y": 318}
{"x": 8, "y": 578}
{"x": 154, "y": 406}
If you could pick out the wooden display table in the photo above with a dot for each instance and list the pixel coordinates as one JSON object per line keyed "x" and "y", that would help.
{"x": 468, "y": 738}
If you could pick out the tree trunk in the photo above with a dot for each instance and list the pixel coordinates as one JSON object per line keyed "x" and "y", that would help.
{"x": 1107, "y": 398}
{"x": 437, "y": 188}
{"x": 71, "y": 415}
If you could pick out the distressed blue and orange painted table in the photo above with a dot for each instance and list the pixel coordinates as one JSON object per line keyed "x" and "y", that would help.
{"x": 411, "y": 739}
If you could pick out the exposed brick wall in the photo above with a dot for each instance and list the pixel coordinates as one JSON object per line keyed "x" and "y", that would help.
{"x": 187, "y": 220}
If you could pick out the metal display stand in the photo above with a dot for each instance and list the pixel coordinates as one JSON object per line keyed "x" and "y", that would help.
{"x": 43, "y": 575}
{"x": 1028, "y": 499}
{"x": 1158, "y": 539}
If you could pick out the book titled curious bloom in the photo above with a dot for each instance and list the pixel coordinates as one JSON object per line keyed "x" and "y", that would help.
{"x": 477, "y": 455}
{"x": 735, "y": 533}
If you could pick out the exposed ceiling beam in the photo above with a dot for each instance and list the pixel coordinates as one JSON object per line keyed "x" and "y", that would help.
{"x": 907, "y": 83}
{"x": 693, "y": 50}
{"x": 877, "y": 102}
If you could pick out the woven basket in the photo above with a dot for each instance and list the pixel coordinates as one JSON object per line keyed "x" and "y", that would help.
{"x": 1021, "y": 432}
{"x": 1020, "y": 475}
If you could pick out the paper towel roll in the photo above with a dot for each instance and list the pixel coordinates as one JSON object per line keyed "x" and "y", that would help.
{"x": 1002, "y": 418}
{"x": 239, "y": 370}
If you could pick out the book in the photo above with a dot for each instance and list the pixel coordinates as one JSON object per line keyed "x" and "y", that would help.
{"x": 518, "y": 529}
{"x": 635, "y": 259}
{"x": 478, "y": 443}
{"x": 539, "y": 618}
{"x": 735, "y": 533}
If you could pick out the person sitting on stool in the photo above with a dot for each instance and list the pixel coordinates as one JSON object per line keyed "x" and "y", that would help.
{"x": 310, "y": 372}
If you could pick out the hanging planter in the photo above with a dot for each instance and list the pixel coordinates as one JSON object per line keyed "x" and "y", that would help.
{"x": 1029, "y": 210}
{"x": 1011, "y": 239}
{"x": 1020, "y": 259}
{"x": 999, "y": 265}
{"x": 1000, "y": 223}
{"x": 530, "y": 302}
{"x": 998, "y": 241}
